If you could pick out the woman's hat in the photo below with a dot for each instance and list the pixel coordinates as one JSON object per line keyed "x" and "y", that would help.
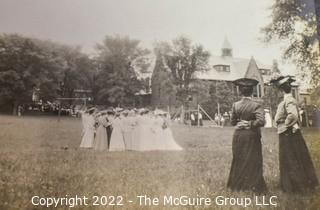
{"x": 103, "y": 111}
{"x": 143, "y": 111}
{"x": 159, "y": 112}
{"x": 248, "y": 82}
{"x": 131, "y": 113}
{"x": 91, "y": 110}
{"x": 279, "y": 80}
{"x": 125, "y": 112}
{"x": 110, "y": 112}
{"x": 118, "y": 109}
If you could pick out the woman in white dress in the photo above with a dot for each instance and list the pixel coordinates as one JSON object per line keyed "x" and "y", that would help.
{"x": 117, "y": 142}
{"x": 143, "y": 135}
{"x": 157, "y": 129}
{"x": 138, "y": 121}
{"x": 166, "y": 134}
{"x": 268, "y": 119}
{"x": 84, "y": 115}
{"x": 88, "y": 136}
{"x": 101, "y": 140}
{"x": 128, "y": 127}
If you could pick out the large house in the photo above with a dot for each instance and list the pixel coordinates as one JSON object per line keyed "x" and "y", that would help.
{"x": 227, "y": 68}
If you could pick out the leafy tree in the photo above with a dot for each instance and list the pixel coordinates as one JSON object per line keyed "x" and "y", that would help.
{"x": 27, "y": 64}
{"x": 295, "y": 22}
{"x": 315, "y": 97}
{"x": 220, "y": 93}
{"x": 119, "y": 61}
{"x": 317, "y": 14}
{"x": 184, "y": 59}
{"x": 24, "y": 65}
{"x": 200, "y": 91}
{"x": 76, "y": 70}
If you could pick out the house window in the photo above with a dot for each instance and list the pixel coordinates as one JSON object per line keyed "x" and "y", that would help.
{"x": 265, "y": 71}
{"x": 225, "y": 68}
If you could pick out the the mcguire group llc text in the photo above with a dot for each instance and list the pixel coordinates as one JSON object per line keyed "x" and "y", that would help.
{"x": 145, "y": 200}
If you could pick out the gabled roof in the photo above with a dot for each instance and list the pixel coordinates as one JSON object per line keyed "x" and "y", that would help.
{"x": 238, "y": 69}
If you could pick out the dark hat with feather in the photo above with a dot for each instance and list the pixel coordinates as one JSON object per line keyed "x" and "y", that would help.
{"x": 278, "y": 79}
{"x": 246, "y": 82}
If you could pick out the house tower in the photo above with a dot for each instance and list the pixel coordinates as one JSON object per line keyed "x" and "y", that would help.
{"x": 226, "y": 50}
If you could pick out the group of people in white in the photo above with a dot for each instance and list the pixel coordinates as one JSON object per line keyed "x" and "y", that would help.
{"x": 119, "y": 130}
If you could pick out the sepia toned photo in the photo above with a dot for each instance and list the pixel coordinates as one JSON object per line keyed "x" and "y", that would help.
{"x": 149, "y": 104}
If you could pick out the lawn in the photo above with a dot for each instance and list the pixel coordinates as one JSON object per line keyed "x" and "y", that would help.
{"x": 41, "y": 156}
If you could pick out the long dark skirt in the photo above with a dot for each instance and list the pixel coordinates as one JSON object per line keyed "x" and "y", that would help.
{"x": 109, "y": 131}
{"x": 247, "y": 168}
{"x": 297, "y": 172}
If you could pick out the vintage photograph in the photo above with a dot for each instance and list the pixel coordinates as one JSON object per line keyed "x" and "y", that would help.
{"x": 159, "y": 104}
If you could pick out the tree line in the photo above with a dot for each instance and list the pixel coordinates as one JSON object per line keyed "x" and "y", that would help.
{"x": 113, "y": 73}
{"x": 57, "y": 70}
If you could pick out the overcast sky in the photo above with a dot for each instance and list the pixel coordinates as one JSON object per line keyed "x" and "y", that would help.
{"x": 86, "y": 22}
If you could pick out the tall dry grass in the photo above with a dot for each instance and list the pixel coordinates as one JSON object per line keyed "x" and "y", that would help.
{"x": 41, "y": 156}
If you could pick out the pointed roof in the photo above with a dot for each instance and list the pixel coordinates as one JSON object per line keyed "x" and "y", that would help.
{"x": 226, "y": 44}
{"x": 238, "y": 69}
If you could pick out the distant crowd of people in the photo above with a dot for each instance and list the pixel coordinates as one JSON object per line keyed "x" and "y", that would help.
{"x": 307, "y": 120}
{"x": 122, "y": 129}
{"x": 49, "y": 108}
{"x": 196, "y": 118}
{"x": 309, "y": 117}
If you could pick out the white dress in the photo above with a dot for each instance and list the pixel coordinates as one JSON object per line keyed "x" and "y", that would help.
{"x": 150, "y": 135}
{"x": 117, "y": 142}
{"x": 167, "y": 138}
{"x": 128, "y": 127}
{"x": 159, "y": 142}
{"x": 143, "y": 135}
{"x": 268, "y": 120}
{"x": 88, "y": 136}
{"x": 83, "y": 122}
{"x": 101, "y": 140}
{"x": 135, "y": 145}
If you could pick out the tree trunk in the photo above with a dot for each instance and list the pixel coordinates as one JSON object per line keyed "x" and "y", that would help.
{"x": 14, "y": 108}
{"x": 317, "y": 10}
{"x": 182, "y": 114}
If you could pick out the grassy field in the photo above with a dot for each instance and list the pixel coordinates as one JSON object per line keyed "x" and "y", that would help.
{"x": 39, "y": 156}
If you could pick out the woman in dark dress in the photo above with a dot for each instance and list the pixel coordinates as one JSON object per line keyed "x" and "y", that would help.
{"x": 248, "y": 116}
{"x": 297, "y": 173}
